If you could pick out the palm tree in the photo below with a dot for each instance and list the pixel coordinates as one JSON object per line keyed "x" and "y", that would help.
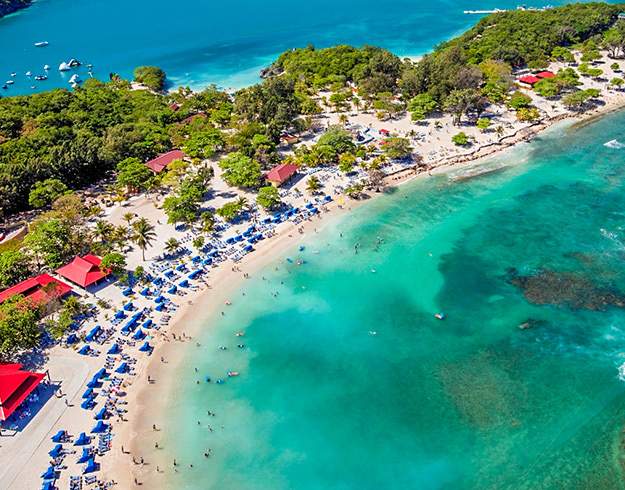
{"x": 143, "y": 235}
{"x": 343, "y": 119}
{"x": 208, "y": 222}
{"x": 356, "y": 102}
{"x": 313, "y": 184}
{"x": 102, "y": 230}
{"x": 120, "y": 235}
{"x": 242, "y": 202}
{"x": 499, "y": 130}
{"x": 171, "y": 245}
{"x": 128, "y": 217}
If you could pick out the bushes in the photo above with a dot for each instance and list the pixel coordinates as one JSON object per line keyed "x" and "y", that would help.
{"x": 150, "y": 76}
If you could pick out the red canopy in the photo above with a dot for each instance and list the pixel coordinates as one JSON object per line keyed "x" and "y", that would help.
{"x": 33, "y": 288}
{"x": 159, "y": 163}
{"x": 15, "y": 386}
{"x": 281, "y": 172}
{"x": 545, "y": 74}
{"x": 83, "y": 270}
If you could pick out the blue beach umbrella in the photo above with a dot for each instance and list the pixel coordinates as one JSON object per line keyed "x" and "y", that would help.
{"x": 86, "y": 455}
{"x": 82, "y": 440}
{"x": 101, "y": 415}
{"x": 138, "y": 335}
{"x": 49, "y": 474}
{"x": 145, "y": 347}
{"x": 58, "y": 436}
{"x": 128, "y": 306}
{"x": 115, "y": 348}
{"x": 85, "y": 350}
{"x": 100, "y": 428}
{"x": 57, "y": 451}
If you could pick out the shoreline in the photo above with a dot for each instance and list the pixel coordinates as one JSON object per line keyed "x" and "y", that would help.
{"x": 151, "y": 398}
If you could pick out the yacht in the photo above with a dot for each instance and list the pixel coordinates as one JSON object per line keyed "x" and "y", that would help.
{"x": 41, "y": 44}
{"x": 74, "y": 62}
{"x": 10, "y": 82}
{"x": 41, "y": 77}
{"x": 46, "y": 67}
{"x": 64, "y": 67}
{"x": 13, "y": 74}
{"x": 75, "y": 79}
{"x": 28, "y": 73}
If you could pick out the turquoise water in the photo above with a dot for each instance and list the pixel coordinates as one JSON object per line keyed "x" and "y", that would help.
{"x": 471, "y": 402}
{"x": 197, "y": 43}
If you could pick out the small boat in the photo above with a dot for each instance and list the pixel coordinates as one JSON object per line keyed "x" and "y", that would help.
{"x": 222, "y": 347}
{"x": 41, "y": 77}
{"x": 28, "y": 73}
{"x": 219, "y": 381}
{"x": 33, "y": 86}
{"x": 46, "y": 67}
{"x": 440, "y": 316}
{"x": 302, "y": 248}
{"x": 316, "y": 252}
{"x": 64, "y": 67}
{"x": 41, "y": 44}
{"x": 13, "y": 74}
{"x": 10, "y": 82}
{"x": 74, "y": 62}
{"x": 5, "y": 86}
{"x": 240, "y": 346}
{"x": 240, "y": 334}
{"x": 230, "y": 373}
{"x": 75, "y": 79}
{"x": 228, "y": 303}
{"x": 89, "y": 65}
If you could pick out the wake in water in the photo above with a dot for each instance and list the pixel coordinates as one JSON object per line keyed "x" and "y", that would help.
{"x": 615, "y": 144}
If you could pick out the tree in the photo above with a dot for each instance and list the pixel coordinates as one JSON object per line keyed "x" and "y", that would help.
{"x": 143, "y": 235}
{"x": 50, "y": 242}
{"x": 462, "y": 101}
{"x": 483, "y": 124}
{"x": 422, "y": 106}
{"x": 171, "y": 245}
{"x": 354, "y": 191}
{"x": 460, "y": 139}
{"x": 525, "y": 114}
{"x": 519, "y": 100}
{"x": 396, "y": 148}
{"x": 240, "y": 171}
{"x": 46, "y": 192}
{"x": 229, "y": 211}
{"x": 617, "y": 82}
{"x": 176, "y": 173}
{"x": 563, "y": 54}
{"x": 207, "y": 222}
{"x": 103, "y": 231}
{"x": 346, "y": 162}
{"x": 615, "y": 67}
{"x": 546, "y": 87}
{"x": 133, "y": 174}
{"x": 337, "y": 138}
{"x": 150, "y": 76}
{"x": 499, "y": 131}
{"x": 198, "y": 242}
{"x": 128, "y": 217}
{"x": 268, "y": 197}
{"x": 14, "y": 267}
{"x": 185, "y": 204}
{"x": 18, "y": 326}
{"x": 115, "y": 262}
{"x": 343, "y": 119}
{"x": 313, "y": 184}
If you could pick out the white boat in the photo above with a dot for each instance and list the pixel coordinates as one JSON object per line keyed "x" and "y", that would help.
{"x": 75, "y": 79}
{"x": 64, "y": 67}
{"x": 10, "y": 82}
{"x": 28, "y": 73}
{"x": 41, "y": 44}
{"x": 13, "y": 74}
{"x": 74, "y": 62}
{"x": 46, "y": 67}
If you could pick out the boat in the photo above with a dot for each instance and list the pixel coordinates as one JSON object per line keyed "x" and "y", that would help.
{"x": 74, "y": 62}
{"x": 33, "y": 86}
{"x": 10, "y": 82}
{"x": 233, "y": 373}
{"x": 75, "y": 79}
{"x": 28, "y": 74}
{"x": 13, "y": 74}
{"x": 5, "y": 86}
{"x": 46, "y": 67}
{"x": 64, "y": 67}
{"x": 41, "y": 77}
{"x": 440, "y": 316}
{"x": 41, "y": 44}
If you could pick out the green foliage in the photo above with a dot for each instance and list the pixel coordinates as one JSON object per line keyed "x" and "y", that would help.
{"x": 50, "y": 242}
{"x": 396, "y": 147}
{"x": 313, "y": 184}
{"x": 46, "y": 192}
{"x": 579, "y": 98}
{"x": 143, "y": 235}
{"x": 346, "y": 162}
{"x": 240, "y": 171}
{"x": 615, "y": 67}
{"x": 483, "y": 124}
{"x": 171, "y": 245}
{"x": 546, "y": 87}
{"x": 14, "y": 267}
{"x": 133, "y": 174}
{"x": 184, "y": 205}
{"x": 18, "y": 326}
{"x": 422, "y": 106}
{"x": 230, "y": 210}
{"x": 338, "y": 139}
{"x": 525, "y": 114}
{"x": 460, "y": 138}
{"x": 268, "y": 197}
{"x": 561, "y": 53}
{"x": 198, "y": 242}
{"x": 115, "y": 262}
{"x": 150, "y": 76}
{"x": 519, "y": 100}
{"x": 617, "y": 82}
{"x": 139, "y": 271}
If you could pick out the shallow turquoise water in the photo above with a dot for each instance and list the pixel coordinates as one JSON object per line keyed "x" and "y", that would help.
{"x": 471, "y": 402}
{"x": 197, "y": 43}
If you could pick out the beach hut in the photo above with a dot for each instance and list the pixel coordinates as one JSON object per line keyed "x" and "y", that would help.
{"x": 100, "y": 428}
{"x": 85, "y": 350}
{"x": 82, "y": 440}
{"x": 115, "y": 348}
{"x": 159, "y": 164}
{"x": 57, "y": 451}
{"x": 50, "y": 474}
{"x": 84, "y": 271}
{"x": 86, "y": 454}
{"x": 59, "y": 436}
{"x": 528, "y": 81}
{"x": 101, "y": 415}
{"x": 284, "y": 173}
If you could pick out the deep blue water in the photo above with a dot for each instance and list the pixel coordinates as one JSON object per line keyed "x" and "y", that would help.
{"x": 198, "y": 43}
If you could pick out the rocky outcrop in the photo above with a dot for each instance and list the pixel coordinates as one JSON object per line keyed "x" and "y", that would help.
{"x": 9, "y": 6}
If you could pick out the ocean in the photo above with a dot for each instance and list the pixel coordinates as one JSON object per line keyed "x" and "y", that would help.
{"x": 198, "y": 43}
{"x": 353, "y": 383}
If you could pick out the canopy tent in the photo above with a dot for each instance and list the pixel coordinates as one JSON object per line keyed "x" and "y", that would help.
{"x": 85, "y": 350}
{"x": 194, "y": 274}
{"x": 72, "y": 339}
{"x": 57, "y": 451}
{"x": 83, "y": 271}
{"x": 128, "y": 306}
{"x": 86, "y": 455}
{"x": 82, "y": 440}
{"x": 15, "y": 386}
{"x": 115, "y": 348}
{"x": 139, "y": 335}
{"x": 145, "y": 347}
{"x": 92, "y": 334}
{"x": 101, "y": 415}
{"x": 50, "y": 474}
{"x": 90, "y": 467}
{"x": 100, "y": 428}
{"x": 59, "y": 436}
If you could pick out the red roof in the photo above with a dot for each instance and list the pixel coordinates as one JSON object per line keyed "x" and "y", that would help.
{"x": 191, "y": 118}
{"x": 32, "y": 288}
{"x": 15, "y": 386}
{"x": 159, "y": 163}
{"x": 544, "y": 74}
{"x": 384, "y": 131}
{"x": 281, "y": 172}
{"x": 530, "y": 80}
{"x": 83, "y": 270}
{"x": 174, "y": 107}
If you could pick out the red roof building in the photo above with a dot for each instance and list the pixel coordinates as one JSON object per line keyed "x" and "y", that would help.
{"x": 160, "y": 163}
{"x": 544, "y": 74}
{"x": 528, "y": 81}
{"x": 15, "y": 386}
{"x": 33, "y": 288}
{"x": 190, "y": 119}
{"x": 83, "y": 271}
{"x": 282, "y": 173}
{"x": 174, "y": 107}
